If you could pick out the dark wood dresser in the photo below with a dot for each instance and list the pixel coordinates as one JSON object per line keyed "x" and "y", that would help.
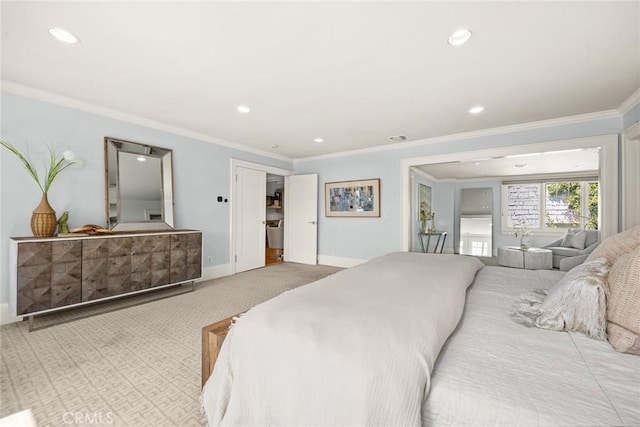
{"x": 49, "y": 274}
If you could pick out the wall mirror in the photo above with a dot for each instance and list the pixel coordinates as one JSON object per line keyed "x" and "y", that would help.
{"x": 139, "y": 186}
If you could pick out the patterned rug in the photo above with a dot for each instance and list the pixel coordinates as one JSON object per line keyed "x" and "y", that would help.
{"x": 129, "y": 363}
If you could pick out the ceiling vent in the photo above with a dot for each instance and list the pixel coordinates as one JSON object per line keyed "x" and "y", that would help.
{"x": 398, "y": 138}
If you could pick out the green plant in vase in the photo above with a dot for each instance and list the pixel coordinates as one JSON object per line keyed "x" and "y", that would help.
{"x": 43, "y": 220}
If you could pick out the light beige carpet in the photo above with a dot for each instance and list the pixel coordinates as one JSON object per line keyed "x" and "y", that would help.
{"x": 137, "y": 366}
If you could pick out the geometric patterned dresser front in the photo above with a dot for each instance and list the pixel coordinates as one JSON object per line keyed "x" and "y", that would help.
{"x": 53, "y": 273}
{"x": 48, "y": 275}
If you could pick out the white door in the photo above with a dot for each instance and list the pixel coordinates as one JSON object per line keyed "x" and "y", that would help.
{"x": 250, "y": 208}
{"x": 301, "y": 219}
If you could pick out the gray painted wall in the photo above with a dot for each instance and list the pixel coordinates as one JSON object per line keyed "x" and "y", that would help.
{"x": 201, "y": 172}
{"x": 631, "y": 118}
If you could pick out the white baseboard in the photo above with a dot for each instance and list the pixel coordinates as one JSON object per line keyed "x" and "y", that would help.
{"x": 6, "y": 315}
{"x": 339, "y": 261}
{"x": 215, "y": 272}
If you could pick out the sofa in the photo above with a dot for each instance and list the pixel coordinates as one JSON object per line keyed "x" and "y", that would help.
{"x": 568, "y": 251}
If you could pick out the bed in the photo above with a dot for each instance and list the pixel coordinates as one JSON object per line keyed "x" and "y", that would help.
{"x": 483, "y": 370}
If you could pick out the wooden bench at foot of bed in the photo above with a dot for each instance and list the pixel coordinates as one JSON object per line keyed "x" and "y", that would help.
{"x": 213, "y": 336}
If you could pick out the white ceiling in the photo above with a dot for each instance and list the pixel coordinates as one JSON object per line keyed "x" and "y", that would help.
{"x": 352, "y": 73}
{"x": 575, "y": 162}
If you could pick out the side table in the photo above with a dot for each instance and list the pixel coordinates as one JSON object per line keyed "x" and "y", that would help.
{"x": 530, "y": 258}
{"x": 442, "y": 236}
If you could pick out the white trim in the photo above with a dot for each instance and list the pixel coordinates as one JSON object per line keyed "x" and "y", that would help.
{"x": 608, "y": 174}
{"x": 424, "y": 174}
{"x": 336, "y": 261}
{"x": 581, "y": 118}
{"x": 64, "y": 101}
{"x": 630, "y": 177}
{"x": 235, "y": 163}
{"x": 215, "y": 272}
{"x": 6, "y": 315}
{"x": 630, "y": 102}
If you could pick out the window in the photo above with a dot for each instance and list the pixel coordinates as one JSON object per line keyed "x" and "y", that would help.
{"x": 550, "y": 206}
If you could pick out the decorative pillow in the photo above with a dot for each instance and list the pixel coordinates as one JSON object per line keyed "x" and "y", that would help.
{"x": 613, "y": 247}
{"x": 623, "y": 309}
{"x": 578, "y": 302}
{"x": 574, "y": 239}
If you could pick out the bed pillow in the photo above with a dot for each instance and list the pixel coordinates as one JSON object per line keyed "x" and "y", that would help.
{"x": 574, "y": 239}
{"x": 623, "y": 309}
{"x": 578, "y": 302}
{"x": 613, "y": 247}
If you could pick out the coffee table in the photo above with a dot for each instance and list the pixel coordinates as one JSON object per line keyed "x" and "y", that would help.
{"x": 529, "y": 258}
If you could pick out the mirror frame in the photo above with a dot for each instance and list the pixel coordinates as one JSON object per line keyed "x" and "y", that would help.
{"x": 116, "y": 146}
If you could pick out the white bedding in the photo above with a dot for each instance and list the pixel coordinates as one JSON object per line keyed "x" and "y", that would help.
{"x": 494, "y": 372}
{"x": 355, "y": 348}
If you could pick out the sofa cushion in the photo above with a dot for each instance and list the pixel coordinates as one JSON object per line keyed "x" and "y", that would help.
{"x": 592, "y": 237}
{"x": 613, "y": 247}
{"x": 574, "y": 239}
{"x": 559, "y": 250}
{"x": 623, "y": 308}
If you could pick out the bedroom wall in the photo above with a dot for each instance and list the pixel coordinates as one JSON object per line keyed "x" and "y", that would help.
{"x": 365, "y": 238}
{"x": 201, "y": 172}
{"x": 443, "y": 206}
{"x": 631, "y": 117}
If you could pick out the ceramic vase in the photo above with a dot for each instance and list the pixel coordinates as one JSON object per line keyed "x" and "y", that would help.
{"x": 43, "y": 220}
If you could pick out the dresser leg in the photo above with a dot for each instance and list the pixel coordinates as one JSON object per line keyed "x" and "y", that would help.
{"x": 30, "y": 323}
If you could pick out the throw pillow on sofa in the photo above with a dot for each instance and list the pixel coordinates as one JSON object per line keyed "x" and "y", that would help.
{"x": 623, "y": 308}
{"x": 574, "y": 239}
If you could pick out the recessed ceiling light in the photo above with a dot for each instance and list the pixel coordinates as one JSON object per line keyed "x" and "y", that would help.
{"x": 398, "y": 138}
{"x": 477, "y": 109}
{"x": 274, "y": 146}
{"x": 318, "y": 140}
{"x": 244, "y": 109}
{"x": 141, "y": 159}
{"x": 63, "y": 35}
{"x": 476, "y": 163}
{"x": 459, "y": 37}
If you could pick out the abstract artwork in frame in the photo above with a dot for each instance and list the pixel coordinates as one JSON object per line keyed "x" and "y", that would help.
{"x": 352, "y": 198}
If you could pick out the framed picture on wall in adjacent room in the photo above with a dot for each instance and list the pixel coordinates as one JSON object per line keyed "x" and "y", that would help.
{"x": 352, "y": 198}
{"x": 424, "y": 199}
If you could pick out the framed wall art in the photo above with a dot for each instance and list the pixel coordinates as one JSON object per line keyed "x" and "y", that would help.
{"x": 424, "y": 199}
{"x": 352, "y": 198}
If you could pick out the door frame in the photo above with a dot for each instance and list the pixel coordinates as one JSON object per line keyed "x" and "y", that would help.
{"x": 630, "y": 176}
{"x": 235, "y": 163}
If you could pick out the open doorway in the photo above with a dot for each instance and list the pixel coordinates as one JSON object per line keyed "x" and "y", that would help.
{"x": 446, "y": 188}
{"x": 476, "y": 221}
{"x": 274, "y": 251}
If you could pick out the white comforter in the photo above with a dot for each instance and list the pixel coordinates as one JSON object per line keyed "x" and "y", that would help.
{"x": 495, "y": 372}
{"x": 355, "y": 348}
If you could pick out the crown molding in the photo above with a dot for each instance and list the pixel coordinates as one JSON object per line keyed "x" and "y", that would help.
{"x": 18, "y": 89}
{"x": 423, "y": 174}
{"x": 581, "y": 118}
{"x": 630, "y": 102}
